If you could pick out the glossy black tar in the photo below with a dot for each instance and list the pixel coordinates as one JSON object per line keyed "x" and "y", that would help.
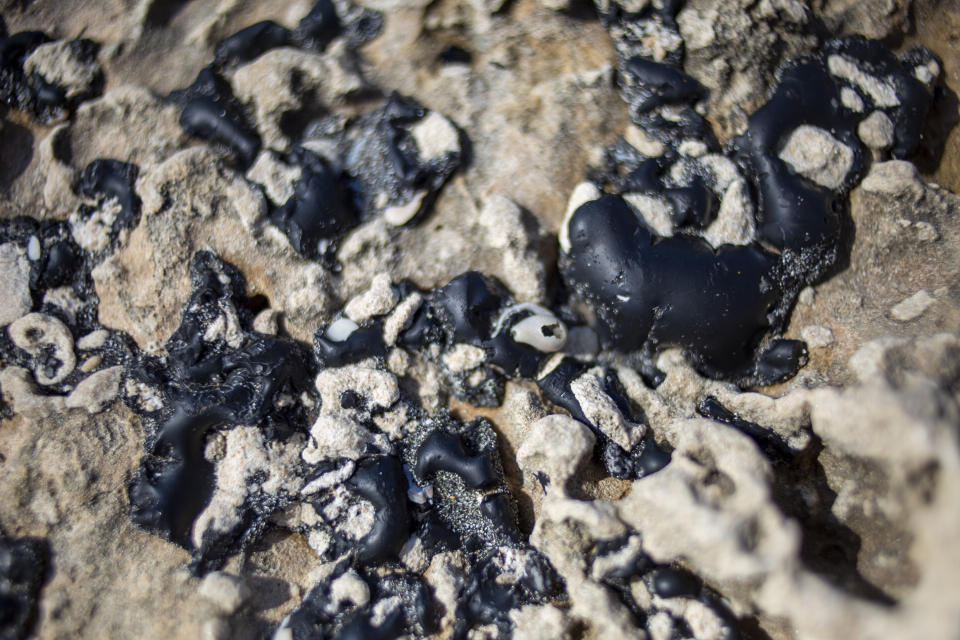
{"x": 175, "y": 485}
{"x": 466, "y": 311}
{"x": 486, "y": 600}
{"x": 724, "y": 306}
{"x": 652, "y": 84}
{"x": 210, "y": 111}
{"x": 104, "y": 179}
{"x": 446, "y": 452}
{"x": 206, "y": 384}
{"x": 673, "y": 583}
{"x": 694, "y": 206}
{"x": 381, "y": 481}
{"x": 378, "y": 165}
{"x": 650, "y": 291}
{"x": 362, "y": 343}
{"x": 772, "y": 445}
{"x": 319, "y": 208}
{"x": 414, "y": 616}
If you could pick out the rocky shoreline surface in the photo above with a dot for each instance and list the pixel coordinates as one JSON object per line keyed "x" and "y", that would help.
{"x": 480, "y": 319}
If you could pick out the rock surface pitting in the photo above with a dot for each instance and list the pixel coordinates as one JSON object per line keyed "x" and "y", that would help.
{"x": 297, "y": 345}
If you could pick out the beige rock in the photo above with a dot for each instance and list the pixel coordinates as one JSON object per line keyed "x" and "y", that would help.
{"x": 912, "y": 307}
{"x": 96, "y": 391}
{"x": 282, "y": 80}
{"x": 335, "y": 436}
{"x": 816, "y": 154}
{"x": 226, "y": 591}
{"x": 36, "y": 332}
{"x": 14, "y": 283}
{"x": 193, "y": 202}
{"x": 876, "y": 130}
{"x": 21, "y": 393}
{"x": 463, "y": 357}
{"x": 250, "y": 463}
{"x": 602, "y": 412}
{"x": 378, "y": 300}
{"x": 377, "y": 387}
{"x": 555, "y": 446}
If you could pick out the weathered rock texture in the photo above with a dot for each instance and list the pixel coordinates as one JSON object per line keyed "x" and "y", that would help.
{"x": 852, "y": 534}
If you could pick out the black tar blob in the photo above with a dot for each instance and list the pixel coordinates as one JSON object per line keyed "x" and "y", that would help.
{"x": 207, "y": 384}
{"x": 445, "y": 452}
{"x": 319, "y": 208}
{"x": 381, "y": 481}
{"x": 723, "y": 305}
{"x": 769, "y": 442}
{"x": 362, "y": 343}
{"x": 651, "y": 292}
{"x": 210, "y": 111}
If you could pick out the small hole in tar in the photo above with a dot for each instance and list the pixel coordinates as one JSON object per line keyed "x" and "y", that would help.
{"x": 455, "y": 55}
{"x": 349, "y": 399}
{"x": 549, "y": 330}
{"x": 258, "y": 302}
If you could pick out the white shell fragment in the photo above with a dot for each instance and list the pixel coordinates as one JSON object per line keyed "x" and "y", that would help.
{"x": 340, "y": 329}
{"x": 544, "y": 333}
{"x": 543, "y": 330}
{"x": 582, "y": 194}
{"x": 401, "y": 214}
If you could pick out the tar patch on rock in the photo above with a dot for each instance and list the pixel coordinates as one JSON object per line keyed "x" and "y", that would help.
{"x": 396, "y": 605}
{"x": 635, "y": 256}
{"x": 318, "y": 210}
{"x": 216, "y": 374}
{"x": 395, "y": 479}
{"x": 47, "y": 79}
{"x": 209, "y": 108}
{"x": 45, "y": 349}
{"x": 471, "y": 328}
{"x": 390, "y": 162}
{"x": 643, "y": 456}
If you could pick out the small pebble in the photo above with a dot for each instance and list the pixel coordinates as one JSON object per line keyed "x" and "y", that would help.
{"x": 227, "y": 592}
{"x": 93, "y": 340}
{"x": 816, "y": 336}
{"x": 913, "y": 307}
